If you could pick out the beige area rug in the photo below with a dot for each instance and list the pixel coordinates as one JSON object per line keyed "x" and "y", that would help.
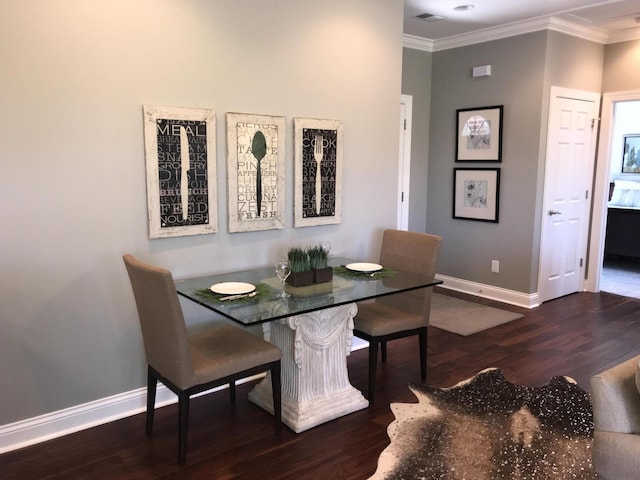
{"x": 465, "y": 318}
{"x": 621, "y": 277}
{"x": 486, "y": 428}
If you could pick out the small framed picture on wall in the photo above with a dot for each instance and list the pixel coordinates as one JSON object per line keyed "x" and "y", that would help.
{"x": 476, "y": 194}
{"x": 479, "y": 134}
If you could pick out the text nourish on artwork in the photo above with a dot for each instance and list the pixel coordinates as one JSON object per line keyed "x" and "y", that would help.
{"x": 180, "y": 151}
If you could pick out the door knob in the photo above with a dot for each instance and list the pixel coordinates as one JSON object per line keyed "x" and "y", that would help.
{"x": 554, "y": 212}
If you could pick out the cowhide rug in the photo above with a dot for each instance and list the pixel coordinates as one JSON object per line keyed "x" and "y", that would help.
{"x": 487, "y": 428}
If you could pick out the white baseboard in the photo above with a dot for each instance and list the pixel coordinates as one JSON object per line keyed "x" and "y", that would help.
{"x": 23, "y": 433}
{"x": 63, "y": 422}
{"x": 526, "y": 300}
{"x": 80, "y": 417}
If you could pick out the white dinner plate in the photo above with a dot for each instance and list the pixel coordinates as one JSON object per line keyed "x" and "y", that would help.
{"x": 364, "y": 267}
{"x": 232, "y": 288}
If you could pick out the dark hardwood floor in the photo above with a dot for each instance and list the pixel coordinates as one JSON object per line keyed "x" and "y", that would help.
{"x": 578, "y": 335}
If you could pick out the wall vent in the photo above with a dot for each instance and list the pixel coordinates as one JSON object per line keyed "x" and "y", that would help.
{"x": 429, "y": 17}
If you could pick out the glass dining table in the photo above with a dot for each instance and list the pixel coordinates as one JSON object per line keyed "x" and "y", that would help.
{"x": 313, "y": 327}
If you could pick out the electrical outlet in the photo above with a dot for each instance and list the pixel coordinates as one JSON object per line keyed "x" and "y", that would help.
{"x": 495, "y": 266}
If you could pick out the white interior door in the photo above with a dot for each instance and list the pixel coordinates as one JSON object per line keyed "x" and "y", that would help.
{"x": 404, "y": 162}
{"x": 567, "y": 188}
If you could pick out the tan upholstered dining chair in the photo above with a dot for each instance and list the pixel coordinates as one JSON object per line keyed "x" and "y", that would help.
{"x": 403, "y": 314}
{"x": 190, "y": 364}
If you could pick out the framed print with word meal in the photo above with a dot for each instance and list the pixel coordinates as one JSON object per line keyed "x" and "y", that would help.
{"x": 180, "y": 150}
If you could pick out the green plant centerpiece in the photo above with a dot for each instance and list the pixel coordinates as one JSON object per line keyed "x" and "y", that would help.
{"x": 319, "y": 262}
{"x": 299, "y": 264}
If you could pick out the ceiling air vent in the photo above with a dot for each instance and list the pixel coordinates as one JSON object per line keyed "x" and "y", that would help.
{"x": 429, "y": 17}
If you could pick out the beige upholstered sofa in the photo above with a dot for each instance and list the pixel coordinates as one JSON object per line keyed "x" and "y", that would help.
{"x": 616, "y": 412}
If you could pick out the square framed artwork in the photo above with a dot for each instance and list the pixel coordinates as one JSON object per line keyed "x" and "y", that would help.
{"x": 180, "y": 151}
{"x": 479, "y": 134}
{"x": 318, "y": 146}
{"x": 255, "y": 172}
{"x": 631, "y": 154}
{"x": 476, "y": 194}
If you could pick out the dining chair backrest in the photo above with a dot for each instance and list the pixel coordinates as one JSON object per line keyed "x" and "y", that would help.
{"x": 415, "y": 253}
{"x": 164, "y": 332}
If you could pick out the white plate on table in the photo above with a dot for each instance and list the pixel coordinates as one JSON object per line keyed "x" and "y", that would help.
{"x": 364, "y": 267}
{"x": 232, "y": 288}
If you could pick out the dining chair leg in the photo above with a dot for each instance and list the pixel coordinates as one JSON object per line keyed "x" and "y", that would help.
{"x": 373, "y": 362}
{"x": 383, "y": 349}
{"x": 276, "y": 386}
{"x": 422, "y": 336}
{"x": 183, "y": 426}
{"x": 152, "y": 383}
{"x": 232, "y": 392}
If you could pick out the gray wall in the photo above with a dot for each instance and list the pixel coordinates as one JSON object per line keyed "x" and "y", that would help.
{"x": 523, "y": 70}
{"x": 517, "y": 82}
{"x": 621, "y": 72}
{"x": 574, "y": 63}
{"x": 73, "y": 180}
{"x": 416, "y": 81}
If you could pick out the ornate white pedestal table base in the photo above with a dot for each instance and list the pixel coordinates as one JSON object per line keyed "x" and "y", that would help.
{"x": 315, "y": 381}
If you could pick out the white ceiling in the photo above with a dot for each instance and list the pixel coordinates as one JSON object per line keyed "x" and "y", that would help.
{"x": 608, "y": 21}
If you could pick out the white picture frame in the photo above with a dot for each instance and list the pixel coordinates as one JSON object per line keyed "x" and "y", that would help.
{"x": 255, "y": 172}
{"x": 317, "y": 201}
{"x": 172, "y": 170}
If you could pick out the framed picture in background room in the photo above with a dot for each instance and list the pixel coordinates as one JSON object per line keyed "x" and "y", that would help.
{"x": 631, "y": 154}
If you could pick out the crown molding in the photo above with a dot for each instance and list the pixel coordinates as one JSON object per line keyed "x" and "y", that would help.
{"x": 557, "y": 24}
{"x": 417, "y": 43}
{"x": 625, "y": 36}
{"x": 594, "y": 34}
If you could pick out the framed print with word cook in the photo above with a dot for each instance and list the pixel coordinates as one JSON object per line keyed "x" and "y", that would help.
{"x": 317, "y": 171}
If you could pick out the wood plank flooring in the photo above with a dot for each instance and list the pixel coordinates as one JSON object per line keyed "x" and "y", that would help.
{"x": 578, "y": 335}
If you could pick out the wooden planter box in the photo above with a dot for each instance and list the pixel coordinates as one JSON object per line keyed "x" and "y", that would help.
{"x": 300, "y": 279}
{"x": 322, "y": 275}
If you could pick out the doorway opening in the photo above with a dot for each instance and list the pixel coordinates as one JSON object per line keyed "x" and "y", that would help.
{"x": 404, "y": 161}
{"x": 621, "y": 263}
{"x": 612, "y": 266}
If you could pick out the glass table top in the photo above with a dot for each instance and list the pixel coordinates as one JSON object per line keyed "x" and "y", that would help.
{"x": 347, "y": 286}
